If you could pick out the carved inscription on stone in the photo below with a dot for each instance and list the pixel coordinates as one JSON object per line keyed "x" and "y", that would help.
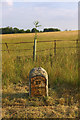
{"x": 38, "y": 85}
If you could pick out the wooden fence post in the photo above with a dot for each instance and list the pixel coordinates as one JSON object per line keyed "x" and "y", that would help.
{"x": 77, "y": 43}
{"x": 7, "y": 47}
{"x": 78, "y": 56}
{"x": 54, "y": 47}
{"x": 34, "y": 50}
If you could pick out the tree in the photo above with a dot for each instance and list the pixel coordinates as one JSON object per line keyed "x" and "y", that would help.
{"x": 5, "y": 30}
{"x": 45, "y": 30}
{"x": 0, "y": 30}
{"x": 41, "y": 31}
{"x": 11, "y": 30}
{"x": 66, "y": 30}
{"x": 16, "y": 30}
{"x": 27, "y": 31}
{"x": 21, "y": 31}
{"x": 34, "y": 30}
{"x": 51, "y": 29}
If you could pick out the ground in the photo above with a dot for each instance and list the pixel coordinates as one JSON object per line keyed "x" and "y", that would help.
{"x": 62, "y": 102}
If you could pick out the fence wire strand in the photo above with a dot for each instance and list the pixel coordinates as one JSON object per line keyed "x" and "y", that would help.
{"x": 40, "y": 41}
{"x": 19, "y": 50}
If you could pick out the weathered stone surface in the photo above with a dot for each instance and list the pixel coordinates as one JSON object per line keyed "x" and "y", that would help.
{"x": 38, "y": 82}
{"x": 38, "y": 71}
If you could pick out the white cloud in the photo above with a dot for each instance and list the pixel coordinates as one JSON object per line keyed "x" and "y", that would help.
{"x": 63, "y": 17}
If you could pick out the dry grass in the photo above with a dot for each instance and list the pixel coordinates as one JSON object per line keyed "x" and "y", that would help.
{"x": 61, "y": 103}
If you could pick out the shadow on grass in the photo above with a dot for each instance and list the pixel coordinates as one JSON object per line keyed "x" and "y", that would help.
{"x": 58, "y": 89}
{"x": 15, "y": 95}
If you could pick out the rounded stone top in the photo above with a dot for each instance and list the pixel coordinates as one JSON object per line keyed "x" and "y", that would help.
{"x": 38, "y": 72}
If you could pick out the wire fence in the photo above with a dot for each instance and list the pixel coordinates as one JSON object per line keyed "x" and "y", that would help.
{"x": 41, "y": 41}
{"x": 53, "y": 48}
{"x": 55, "y": 41}
{"x": 39, "y": 50}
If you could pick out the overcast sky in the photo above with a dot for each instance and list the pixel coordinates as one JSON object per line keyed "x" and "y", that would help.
{"x": 62, "y": 15}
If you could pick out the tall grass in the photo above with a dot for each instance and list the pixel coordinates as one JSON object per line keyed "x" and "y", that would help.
{"x": 61, "y": 69}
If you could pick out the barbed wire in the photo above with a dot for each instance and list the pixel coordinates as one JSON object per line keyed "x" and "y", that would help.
{"x": 19, "y": 50}
{"x": 39, "y": 41}
{"x": 16, "y": 43}
{"x": 56, "y": 48}
{"x": 39, "y": 50}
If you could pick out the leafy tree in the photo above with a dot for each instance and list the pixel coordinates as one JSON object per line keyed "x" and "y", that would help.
{"x": 51, "y": 29}
{"x": 10, "y": 30}
{"x": 46, "y": 30}
{"x": 66, "y": 30}
{"x": 27, "y": 31}
{"x": 21, "y": 31}
{"x": 5, "y": 30}
{"x": 57, "y": 29}
{"x": 41, "y": 31}
{"x": 16, "y": 30}
{"x": 0, "y": 30}
{"x": 34, "y": 30}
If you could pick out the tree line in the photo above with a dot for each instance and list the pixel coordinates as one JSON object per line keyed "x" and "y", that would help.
{"x": 10, "y": 30}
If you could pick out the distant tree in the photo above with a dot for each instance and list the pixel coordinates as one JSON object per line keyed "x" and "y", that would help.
{"x": 5, "y": 30}
{"x": 0, "y": 30}
{"x": 10, "y": 30}
{"x": 51, "y": 29}
{"x": 56, "y": 29}
{"x": 16, "y": 30}
{"x": 45, "y": 30}
{"x": 27, "y": 31}
{"x": 34, "y": 30}
{"x": 40, "y": 31}
{"x": 66, "y": 30}
{"x": 21, "y": 31}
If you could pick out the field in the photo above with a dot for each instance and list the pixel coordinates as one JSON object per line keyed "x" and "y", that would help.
{"x": 62, "y": 70}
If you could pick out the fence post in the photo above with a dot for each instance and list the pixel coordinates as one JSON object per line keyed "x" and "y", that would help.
{"x": 54, "y": 47}
{"x": 78, "y": 57}
{"x": 7, "y": 47}
{"x": 77, "y": 43}
{"x": 34, "y": 50}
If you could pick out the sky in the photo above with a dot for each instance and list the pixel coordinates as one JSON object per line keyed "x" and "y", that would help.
{"x": 62, "y": 15}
